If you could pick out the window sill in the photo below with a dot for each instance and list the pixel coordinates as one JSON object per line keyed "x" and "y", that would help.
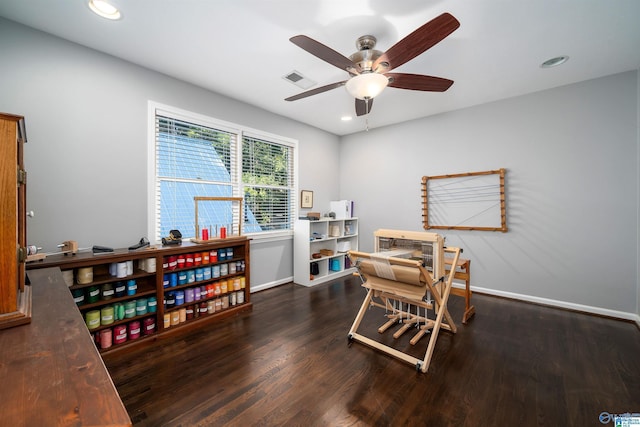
{"x": 270, "y": 237}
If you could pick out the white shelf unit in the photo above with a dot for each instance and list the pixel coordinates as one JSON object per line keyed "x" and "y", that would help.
{"x": 337, "y": 235}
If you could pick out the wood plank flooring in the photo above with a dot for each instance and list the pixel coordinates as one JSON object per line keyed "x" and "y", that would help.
{"x": 288, "y": 363}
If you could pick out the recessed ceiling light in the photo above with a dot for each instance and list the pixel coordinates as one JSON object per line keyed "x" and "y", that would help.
{"x": 346, "y": 118}
{"x": 104, "y": 9}
{"x": 554, "y": 62}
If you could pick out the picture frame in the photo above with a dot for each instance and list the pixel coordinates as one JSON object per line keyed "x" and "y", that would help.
{"x": 306, "y": 199}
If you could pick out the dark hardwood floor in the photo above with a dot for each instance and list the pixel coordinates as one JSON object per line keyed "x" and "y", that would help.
{"x": 288, "y": 362}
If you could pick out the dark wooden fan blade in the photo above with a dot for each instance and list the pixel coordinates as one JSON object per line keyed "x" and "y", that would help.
{"x": 418, "y": 82}
{"x": 325, "y": 53}
{"x": 420, "y": 40}
{"x": 315, "y": 91}
{"x": 363, "y": 107}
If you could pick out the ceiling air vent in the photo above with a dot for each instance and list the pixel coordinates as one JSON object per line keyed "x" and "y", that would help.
{"x": 298, "y": 79}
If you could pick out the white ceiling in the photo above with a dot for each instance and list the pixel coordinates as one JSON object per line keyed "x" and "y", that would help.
{"x": 241, "y": 48}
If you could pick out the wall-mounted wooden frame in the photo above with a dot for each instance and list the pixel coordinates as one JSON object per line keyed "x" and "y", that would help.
{"x": 465, "y": 201}
{"x": 306, "y": 199}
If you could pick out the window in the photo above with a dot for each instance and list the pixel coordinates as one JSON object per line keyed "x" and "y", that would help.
{"x": 195, "y": 156}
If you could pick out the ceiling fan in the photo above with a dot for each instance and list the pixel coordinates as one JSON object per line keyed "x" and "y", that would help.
{"x": 369, "y": 68}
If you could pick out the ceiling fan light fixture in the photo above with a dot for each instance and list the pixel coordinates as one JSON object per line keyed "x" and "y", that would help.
{"x": 366, "y": 85}
{"x": 105, "y": 9}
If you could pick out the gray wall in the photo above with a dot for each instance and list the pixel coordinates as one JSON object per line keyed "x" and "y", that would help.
{"x": 86, "y": 117}
{"x": 571, "y": 156}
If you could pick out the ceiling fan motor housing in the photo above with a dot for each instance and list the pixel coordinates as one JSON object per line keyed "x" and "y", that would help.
{"x": 367, "y": 55}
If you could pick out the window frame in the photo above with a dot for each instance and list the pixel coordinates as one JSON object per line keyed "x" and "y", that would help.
{"x": 237, "y": 187}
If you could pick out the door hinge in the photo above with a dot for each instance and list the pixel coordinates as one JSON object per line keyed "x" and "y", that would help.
{"x": 22, "y": 254}
{"x": 22, "y": 177}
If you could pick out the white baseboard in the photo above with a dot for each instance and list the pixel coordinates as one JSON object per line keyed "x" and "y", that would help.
{"x": 263, "y": 286}
{"x": 511, "y": 295}
{"x": 560, "y": 304}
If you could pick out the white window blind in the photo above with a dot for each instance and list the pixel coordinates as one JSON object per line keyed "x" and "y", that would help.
{"x": 199, "y": 156}
{"x": 269, "y": 185}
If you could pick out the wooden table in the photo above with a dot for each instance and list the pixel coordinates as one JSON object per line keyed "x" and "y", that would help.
{"x": 462, "y": 272}
{"x": 51, "y": 371}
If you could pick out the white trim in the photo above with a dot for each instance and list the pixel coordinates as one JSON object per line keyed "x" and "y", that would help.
{"x": 270, "y": 285}
{"x": 151, "y": 169}
{"x": 560, "y": 304}
{"x": 267, "y": 236}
